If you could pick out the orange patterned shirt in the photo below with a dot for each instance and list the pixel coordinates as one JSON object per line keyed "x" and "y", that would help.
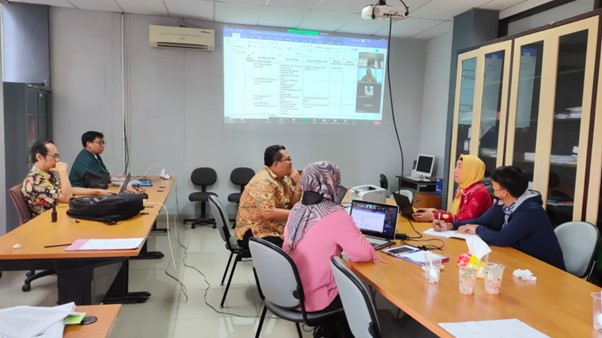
{"x": 264, "y": 193}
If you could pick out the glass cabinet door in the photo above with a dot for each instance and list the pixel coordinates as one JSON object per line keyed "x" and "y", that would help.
{"x": 490, "y": 135}
{"x": 464, "y": 106}
{"x": 480, "y": 107}
{"x": 549, "y": 115}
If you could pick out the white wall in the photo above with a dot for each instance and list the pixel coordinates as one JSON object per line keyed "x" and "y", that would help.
{"x": 177, "y": 107}
{"x": 434, "y": 101}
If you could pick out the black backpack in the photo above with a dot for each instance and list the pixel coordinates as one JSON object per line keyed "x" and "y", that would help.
{"x": 108, "y": 209}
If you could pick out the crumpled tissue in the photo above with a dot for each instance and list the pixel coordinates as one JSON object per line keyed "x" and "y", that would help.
{"x": 524, "y": 274}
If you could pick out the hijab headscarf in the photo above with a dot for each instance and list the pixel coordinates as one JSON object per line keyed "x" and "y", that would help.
{"x": 473, "y": 171}
{"x": 320, "y": 182}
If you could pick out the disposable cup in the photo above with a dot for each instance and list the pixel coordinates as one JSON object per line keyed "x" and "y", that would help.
{"x": 493, "y": 278}
{"x": 597, "y": 302}
{"x": 432, "y": 269}
{"x": 467, "y": 279}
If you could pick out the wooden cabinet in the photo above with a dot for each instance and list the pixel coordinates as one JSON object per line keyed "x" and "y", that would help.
{"x": 548, "y": 127}
{"x": 426, "y": 200}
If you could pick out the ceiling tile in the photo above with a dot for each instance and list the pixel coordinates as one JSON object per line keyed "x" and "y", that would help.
{"x": 246, "y": 2}
{"x": 441, "y": 28}
{"x": 145, "y": 7}
{"x": 408, "y": 27}
{"x": 239, "y": 14}
{"x": 56, "y": 3}
{"x": 366, "y": 27}
{"x": 305, "y": 4}
{"x": 97, "y": 5}
{"x": 326, "y": 20}
{"x": 194, "y": 9}
{"x": 348, "y": 6}
{"x": 499, "y": 5}
{"x": 282, "y": 17}
{"x": 444, "y": 9}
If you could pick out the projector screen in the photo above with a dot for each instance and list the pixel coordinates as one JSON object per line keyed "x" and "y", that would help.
{"x": 292, "y": 76}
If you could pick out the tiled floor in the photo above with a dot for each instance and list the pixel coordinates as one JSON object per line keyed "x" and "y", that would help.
{"x": 169, "y": 313}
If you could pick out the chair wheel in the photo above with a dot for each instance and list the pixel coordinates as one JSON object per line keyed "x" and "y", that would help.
{"x": 26, "y": 287}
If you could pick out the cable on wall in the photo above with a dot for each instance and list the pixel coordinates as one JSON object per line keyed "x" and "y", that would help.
{"x": 391, "y": 95}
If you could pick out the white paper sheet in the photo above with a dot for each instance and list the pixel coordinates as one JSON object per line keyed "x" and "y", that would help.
{"x": 501, "y": 328}
{"x": 32, "y": 321}
{"x": 447, "y": 234}
{"x": 112, "y": 244}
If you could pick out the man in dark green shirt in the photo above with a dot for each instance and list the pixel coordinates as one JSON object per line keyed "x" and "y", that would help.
{"x": 88, "y": 160}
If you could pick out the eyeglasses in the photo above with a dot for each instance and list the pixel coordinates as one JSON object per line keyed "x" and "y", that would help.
{"x": 54, "y": 156}
{"x": 287, "y": 159}
{"x": 102, "y": 143}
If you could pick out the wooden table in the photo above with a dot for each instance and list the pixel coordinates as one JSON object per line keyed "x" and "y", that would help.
{"x": 106, "y": 316}
{"x": 557, "y": 304}
{"x": 84, "y": 277}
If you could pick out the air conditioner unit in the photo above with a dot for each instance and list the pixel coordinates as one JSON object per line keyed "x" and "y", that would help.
{"x": 181, "y": 37}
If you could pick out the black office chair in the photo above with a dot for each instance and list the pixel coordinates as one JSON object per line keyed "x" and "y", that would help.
{"x": 239, "y": 176}
{"x": 231, "y": 244}
{"x": 202, "y": 177}
{"x": 24, "y": 216}
{"x": 384, "y": 182}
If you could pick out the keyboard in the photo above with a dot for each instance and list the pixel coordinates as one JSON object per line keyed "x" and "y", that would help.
{"x": 418, "y": 179}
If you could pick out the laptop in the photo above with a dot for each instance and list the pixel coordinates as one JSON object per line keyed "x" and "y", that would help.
{"x": 124, "y": 185}
{"x": 405, "y": 207}
{"x": 376, "y": 221}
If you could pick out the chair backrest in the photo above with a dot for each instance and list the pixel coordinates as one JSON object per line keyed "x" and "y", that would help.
{"x": 20, "y": 204}
{"x": 203, "y": 176}
{"x": 407, "y": 193}
{"x": 357, "y": 303}
{"x": 579, "y": 243}
{"x": 277, "y": 273}
{"x": 223, "y": 223}
{"x": 241, "y": 176}
{"x": 384, "y": 182}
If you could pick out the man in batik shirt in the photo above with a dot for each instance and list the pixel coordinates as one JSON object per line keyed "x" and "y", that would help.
{"x": 267, "y": 199}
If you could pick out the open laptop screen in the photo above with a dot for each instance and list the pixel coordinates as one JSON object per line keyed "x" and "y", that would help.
{"x": 124, "y": 186}
{"x": 375, "y": 219}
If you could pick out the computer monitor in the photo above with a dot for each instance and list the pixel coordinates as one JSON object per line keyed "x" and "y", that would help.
{"x": 424, "y": 166}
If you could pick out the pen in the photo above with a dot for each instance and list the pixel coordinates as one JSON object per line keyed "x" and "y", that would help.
{"x": 56, "y": 245}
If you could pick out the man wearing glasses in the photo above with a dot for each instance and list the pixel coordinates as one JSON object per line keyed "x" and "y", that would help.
{"x": 47, "y": 182}
{"x": 88, "y": 169}
{"x": 268, "y": 198}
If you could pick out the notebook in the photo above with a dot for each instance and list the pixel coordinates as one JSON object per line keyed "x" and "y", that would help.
{"x": 376, "y": 221}
{"x": 124, "y": 185}
{"x": 405, "y": 207}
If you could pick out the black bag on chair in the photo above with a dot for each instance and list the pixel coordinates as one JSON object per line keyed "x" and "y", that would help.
{"x": 97, "y": 181}
{"x": 108, "y": 209}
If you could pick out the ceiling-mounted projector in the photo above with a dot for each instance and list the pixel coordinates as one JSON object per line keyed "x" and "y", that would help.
{"x": 383, "y": 12}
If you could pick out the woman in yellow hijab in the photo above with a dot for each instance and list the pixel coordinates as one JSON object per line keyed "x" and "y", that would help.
{"x": 472, "y": 198}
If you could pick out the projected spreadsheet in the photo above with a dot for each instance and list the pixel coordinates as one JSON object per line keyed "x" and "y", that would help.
{"x": 299, "y": 77}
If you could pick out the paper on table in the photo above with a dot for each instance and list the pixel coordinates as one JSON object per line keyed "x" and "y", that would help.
{"x": 418, "y": 257}
{"x": 105, "y": 244}
{"x": 477, "y": 247}
{"x": 492, "y": 329}
{"x": 30, "y": 321}
{"x": 447, "y": 234}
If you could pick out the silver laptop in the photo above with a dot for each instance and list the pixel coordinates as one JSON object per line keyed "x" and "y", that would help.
{"x": 376, "y": 221}
{"x": 124, "y": 186}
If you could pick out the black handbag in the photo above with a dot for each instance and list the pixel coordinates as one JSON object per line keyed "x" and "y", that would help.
{"x": 108, "y": 209}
